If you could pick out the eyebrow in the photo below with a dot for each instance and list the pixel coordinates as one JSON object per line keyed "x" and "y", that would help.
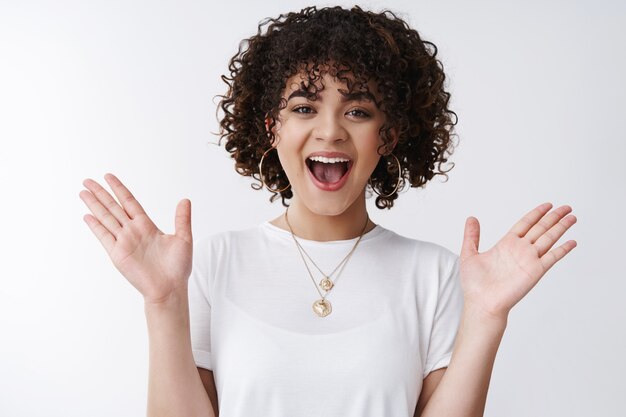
{"x": 354, "y": 96}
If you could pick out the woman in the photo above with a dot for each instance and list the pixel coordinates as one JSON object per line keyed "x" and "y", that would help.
{"x": 320, "y": 311}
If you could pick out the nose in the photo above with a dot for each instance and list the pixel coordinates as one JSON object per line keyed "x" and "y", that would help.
{"x": 330, "y": 129}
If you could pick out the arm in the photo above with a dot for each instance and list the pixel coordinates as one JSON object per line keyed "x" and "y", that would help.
{"x": 174, "y": 385}
{"x": 428, "y": 387}
{"x": 158, "y": 265}
{"x": 493, "y": 282}
{"x": 463, "y": 388}
{"x": 208, "y": 381}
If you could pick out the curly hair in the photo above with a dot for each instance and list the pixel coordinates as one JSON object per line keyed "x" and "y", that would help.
{"x": 367, "y": 46}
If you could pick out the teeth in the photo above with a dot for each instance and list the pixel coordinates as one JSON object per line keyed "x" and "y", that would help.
{"x": 328, "y": 160}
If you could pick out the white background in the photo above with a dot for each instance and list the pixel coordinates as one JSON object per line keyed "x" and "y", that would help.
{"x": 89, "y": 87}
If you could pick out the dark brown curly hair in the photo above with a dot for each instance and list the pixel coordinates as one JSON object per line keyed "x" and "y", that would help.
{"x": 364, "y": 45}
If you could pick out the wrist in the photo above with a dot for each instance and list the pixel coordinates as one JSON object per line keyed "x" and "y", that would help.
{"x": 174, "y": 299}
{"x": 484, "y": 317}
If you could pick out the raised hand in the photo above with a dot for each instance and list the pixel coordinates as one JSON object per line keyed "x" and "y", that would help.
{"x": 495, "y": 280}
{"x": 153, "y": 262}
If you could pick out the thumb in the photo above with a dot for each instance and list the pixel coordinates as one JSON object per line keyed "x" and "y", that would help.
{"x": 182, "y": 222}
{"x": 471, "y": 237}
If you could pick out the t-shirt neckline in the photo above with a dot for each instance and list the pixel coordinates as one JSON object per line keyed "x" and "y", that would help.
{"x": 378, "y": 230}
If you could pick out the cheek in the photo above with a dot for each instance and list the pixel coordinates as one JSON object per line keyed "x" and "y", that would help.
{"x": 370, "y": 151}
{"x": 373, "y": 143}
{"x": 289, "y": 151}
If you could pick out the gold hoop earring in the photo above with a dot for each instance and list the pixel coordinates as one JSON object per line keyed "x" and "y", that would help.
{"x": 397, "y": 183}
{"x": 261, "y": 174}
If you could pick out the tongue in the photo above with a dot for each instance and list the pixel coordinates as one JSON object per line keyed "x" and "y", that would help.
{"x": 329, "y": 173}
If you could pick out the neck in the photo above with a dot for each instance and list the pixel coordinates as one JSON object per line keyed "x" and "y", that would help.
{"x": 309, "y": 225}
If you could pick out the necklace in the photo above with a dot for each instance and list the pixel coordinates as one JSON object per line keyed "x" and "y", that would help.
{"x": 322, "y": 307}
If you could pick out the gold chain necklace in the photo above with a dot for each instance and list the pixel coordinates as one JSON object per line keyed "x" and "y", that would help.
{"x": 322, "y": 307}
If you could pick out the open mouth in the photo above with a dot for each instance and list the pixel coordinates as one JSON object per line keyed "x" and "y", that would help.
{"x": 328, "y": 170}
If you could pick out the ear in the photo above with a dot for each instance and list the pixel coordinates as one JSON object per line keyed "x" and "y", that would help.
{"x": 394, "y": 135}
{"x": 268, "y": 121}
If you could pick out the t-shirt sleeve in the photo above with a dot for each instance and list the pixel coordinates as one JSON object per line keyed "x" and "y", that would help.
{"x": 446, "y": 321}
{"x": 199, "y": 303}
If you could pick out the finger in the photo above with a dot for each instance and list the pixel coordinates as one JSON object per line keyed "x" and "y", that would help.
{"x": 546, "y": 223}
{"x": 525, "y": 223}
{"x": 104, "y": 236}
{"x": 107, "y": 201}
{"x": 124, "y": 196}
{"x": 101, "y": 213}
{"x": 471, "y": 237}
{"x": 182, "y": 221}
{"x": 551, "y": 236}
{"x": 556, "y": 254}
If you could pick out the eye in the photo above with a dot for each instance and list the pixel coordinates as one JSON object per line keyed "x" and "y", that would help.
{"x": 359, "y": 113}
{"x": 307, "y": 109}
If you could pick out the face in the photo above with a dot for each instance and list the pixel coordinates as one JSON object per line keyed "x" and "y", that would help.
{"x": 328, "y": 147}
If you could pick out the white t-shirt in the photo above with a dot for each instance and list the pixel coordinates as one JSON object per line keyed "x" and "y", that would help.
{"x": 396, "y": 308}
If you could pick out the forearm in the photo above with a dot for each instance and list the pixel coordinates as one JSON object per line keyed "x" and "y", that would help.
{"x": 462, "y": 391}
{"x": 174, "y": 385}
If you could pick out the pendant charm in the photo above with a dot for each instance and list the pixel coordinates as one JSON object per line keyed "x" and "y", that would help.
{"x": 322, "y": 307}
{"x": 326, "y": 284}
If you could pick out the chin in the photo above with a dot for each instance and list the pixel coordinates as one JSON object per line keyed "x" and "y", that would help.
{"x": 327, "y": 211}
{"x": 329, "y": 206}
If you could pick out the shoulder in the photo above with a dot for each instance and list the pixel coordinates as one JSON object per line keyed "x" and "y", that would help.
{"x": 424, "y": 251}
{"x": 225, "y": 239}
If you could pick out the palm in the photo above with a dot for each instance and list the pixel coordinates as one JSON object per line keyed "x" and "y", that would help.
{"x": 499, "y": 278}
{"x": 153, "y": 262}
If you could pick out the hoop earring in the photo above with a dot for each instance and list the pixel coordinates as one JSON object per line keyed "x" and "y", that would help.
{"x": 397, "y": 183}
{"x": 261, "y": 174}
